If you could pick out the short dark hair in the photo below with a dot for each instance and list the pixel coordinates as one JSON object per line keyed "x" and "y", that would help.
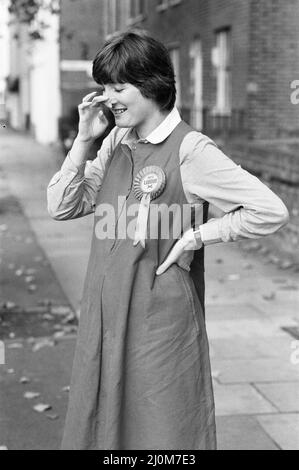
{"x": 137, "y": 58}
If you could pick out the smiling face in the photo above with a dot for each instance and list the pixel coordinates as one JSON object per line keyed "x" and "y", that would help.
{"x": 131, "y": 109}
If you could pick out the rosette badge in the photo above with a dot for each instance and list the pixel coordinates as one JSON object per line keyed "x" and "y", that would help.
{"x": 148, "y": 184}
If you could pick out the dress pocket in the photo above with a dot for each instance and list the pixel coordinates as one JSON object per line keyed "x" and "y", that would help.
{"x": 185, "y": 280}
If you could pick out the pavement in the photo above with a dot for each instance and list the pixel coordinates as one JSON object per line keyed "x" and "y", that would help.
{"x": 252, "y": 299}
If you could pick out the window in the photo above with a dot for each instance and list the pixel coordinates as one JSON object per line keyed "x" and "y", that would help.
{"x": 174, "y": 2}
{"x": 111, "y": 16}
{"x": 175, "y": 58}
{"x": 196, "y": 85}
{"x": 222, "y": 62}
{"x": 162, "y": 5}
{"x": 137, "y": 9}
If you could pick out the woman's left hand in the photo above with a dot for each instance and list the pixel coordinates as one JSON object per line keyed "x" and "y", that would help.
{"x": 187, "y": 242}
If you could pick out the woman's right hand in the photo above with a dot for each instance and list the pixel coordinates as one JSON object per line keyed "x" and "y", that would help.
{"x": 92, "y": 121}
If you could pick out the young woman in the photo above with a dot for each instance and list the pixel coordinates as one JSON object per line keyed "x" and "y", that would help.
{"x": 141, "y": 376}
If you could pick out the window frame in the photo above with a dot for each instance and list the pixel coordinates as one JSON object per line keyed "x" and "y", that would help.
{"x": 223, "y": 72}
{"x": 175, "y": 48}
{"x": 138, "y": 17}
{"x": 162, "y": 6}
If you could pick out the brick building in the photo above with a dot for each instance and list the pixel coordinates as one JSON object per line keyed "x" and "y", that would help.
{"x": 81, "y": 34}
{"x": 236, "y": 64}
{"x": 235, "y": 60}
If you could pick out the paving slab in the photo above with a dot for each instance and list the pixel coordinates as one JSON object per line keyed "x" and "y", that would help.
{"x": 232, "y": 312}
{"x": 242, "y": 433}
{"x": 48, "y": 371}
{"x": 255, "y": 347}
{"x": 239, "y": 400}
{"x": 246, "y": 328}
{"x": 285, "y": 396}
{"x": 256, "y": 370}
{"x": 283, "y": 429}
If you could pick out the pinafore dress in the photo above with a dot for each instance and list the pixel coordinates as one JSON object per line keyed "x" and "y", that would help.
{"x": 141, "y": 375}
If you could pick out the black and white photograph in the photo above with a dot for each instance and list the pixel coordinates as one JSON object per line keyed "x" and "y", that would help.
{"x": 149, "y": 227}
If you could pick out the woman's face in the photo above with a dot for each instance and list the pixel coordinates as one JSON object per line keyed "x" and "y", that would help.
{"x": 129, "y": 107}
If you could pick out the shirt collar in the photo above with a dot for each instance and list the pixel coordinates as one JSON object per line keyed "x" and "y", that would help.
{"x": 159, "y": 134}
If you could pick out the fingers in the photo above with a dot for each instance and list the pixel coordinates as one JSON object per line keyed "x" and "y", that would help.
{"x": 92, "y": 102}
{"x": 89, "y": 96}
{"x": 186, "y": 243}
{"x": 175, "y": 253}
{"x": 95, "y": 103}
{"x": 98, "y": 100}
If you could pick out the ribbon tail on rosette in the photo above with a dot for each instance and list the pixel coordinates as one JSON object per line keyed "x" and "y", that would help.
{"x": 142, "y": 218}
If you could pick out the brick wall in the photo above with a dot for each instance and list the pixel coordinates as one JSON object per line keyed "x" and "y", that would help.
{"x": 265, "y": 56}
{"x": 277, "y": 164}
{"x": 81, "y": 28}
{"x": 274, "y": 64}
{"x": 191, "y": 19}
{"x": 81, "y": 35}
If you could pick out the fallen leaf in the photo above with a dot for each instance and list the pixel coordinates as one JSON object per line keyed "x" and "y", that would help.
{"x": 29, "y": 278}
{"x": 216, "y": 374}
{"x": 59, "y": 334}
{"x": 47, "y": 316}
{"x": 60, "y": 310}
{"x": 42, "y": 407}
{"x": 52, "y": 416}
{"x": 66, "y": 388}
{"x": 32, "y": 288}
{"x": 70, "y": 329}
{"x": 42, "y": 344}
{"x": 8, "y": 305}
{"x": 24, "y": 380}
{"x": 10, "y": 371}
{"x": 31, "y": 395}
{"x": 19, "y": 272}
{"x": 69, "y": 318}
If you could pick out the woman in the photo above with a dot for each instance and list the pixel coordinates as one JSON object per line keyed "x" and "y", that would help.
{"x": 141, "y": 376}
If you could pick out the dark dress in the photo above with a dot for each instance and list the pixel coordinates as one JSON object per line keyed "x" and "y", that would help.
{"x": 141, "y": 376}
